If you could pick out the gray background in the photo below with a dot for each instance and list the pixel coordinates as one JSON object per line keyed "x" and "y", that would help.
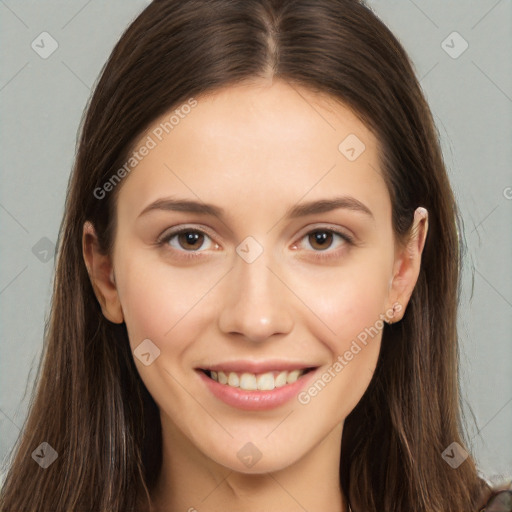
{"x": 41, "y": 103}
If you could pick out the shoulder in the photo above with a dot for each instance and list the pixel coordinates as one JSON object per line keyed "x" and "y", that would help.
{"x": 499, "y": 498}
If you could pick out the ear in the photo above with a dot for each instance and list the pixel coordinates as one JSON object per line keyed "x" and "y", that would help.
{"x": 407, "y": 266}
{"x": 101, "y": 274}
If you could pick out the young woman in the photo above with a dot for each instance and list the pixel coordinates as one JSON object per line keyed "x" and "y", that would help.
{"x": 255, "y": 297}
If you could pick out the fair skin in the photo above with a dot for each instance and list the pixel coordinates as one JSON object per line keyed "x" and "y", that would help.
{"x": 255, "y": 150}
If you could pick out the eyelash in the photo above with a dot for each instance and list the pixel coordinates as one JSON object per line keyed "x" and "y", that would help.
{"x": 189, "y": 255}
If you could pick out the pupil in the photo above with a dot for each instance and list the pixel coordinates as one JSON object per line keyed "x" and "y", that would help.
{"x": 321, "y": 237}
{"x": 191, "y": 237}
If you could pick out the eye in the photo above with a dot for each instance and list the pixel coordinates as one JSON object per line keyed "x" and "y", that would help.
{"x": 187, "y": 240}
{"x": 321, "y": 240}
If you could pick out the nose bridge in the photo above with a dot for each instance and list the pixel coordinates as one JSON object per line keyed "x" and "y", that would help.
{"x": 256, "y": 303}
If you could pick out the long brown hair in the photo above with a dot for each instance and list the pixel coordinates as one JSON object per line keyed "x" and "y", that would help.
{"x": 90, "y": 404}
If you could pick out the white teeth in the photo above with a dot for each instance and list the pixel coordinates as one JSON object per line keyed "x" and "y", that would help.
{"x": 266, "y": 381}
{"x": 248, "y": 382}
{"x": 251, "y": 382}
{"x": 233, "y": 379}
{"x": 293, "y": 376}
{"x": 280, "y": 380}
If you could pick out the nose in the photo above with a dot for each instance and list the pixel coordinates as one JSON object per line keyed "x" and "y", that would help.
{"x": 256, "y": 301}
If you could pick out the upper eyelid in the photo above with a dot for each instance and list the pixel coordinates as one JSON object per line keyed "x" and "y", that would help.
{"x": 176, "y": 230}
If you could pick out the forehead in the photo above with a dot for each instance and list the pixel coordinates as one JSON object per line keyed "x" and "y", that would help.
{"x": 259, "y": 141}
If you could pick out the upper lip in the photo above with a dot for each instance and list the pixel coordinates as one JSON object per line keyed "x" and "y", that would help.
{"x": 257, "y": 366}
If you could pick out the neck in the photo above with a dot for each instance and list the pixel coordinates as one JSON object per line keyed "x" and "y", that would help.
{"x": 190, "y": 481}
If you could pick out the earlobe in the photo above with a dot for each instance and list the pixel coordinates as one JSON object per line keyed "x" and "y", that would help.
{"x": 407, "y": 266}
{"x": 101, "y": 274}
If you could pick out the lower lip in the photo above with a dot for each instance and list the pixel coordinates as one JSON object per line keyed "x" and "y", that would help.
{"x": 255, "y": 400}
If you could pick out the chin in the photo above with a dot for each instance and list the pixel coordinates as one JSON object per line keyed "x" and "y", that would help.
{"x": 254, "y": 458}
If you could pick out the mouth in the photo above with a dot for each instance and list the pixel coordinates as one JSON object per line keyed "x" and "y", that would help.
{"x": 256, "y": 386}
{"x": 257, "y": 381}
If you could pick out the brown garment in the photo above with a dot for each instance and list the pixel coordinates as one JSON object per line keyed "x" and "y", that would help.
{"x": 499, "y": 501}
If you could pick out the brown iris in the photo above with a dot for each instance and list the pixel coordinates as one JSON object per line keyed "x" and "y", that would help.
{"x": 323, "y": 238}
{"x": 191, "y": 238}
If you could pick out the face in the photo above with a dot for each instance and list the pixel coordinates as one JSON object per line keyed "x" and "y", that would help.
{"x": 272, "y": 289}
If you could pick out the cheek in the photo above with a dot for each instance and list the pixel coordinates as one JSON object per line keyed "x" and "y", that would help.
{"x": 167, "y": 306}
{"x": 348, "y": 302}
{"x": 352, "y": 308}
{"x": 349, "y": 307}
{"x": 162, "y": 303}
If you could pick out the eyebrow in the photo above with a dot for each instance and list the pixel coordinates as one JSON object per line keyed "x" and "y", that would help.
{"x": 299, "y": 210}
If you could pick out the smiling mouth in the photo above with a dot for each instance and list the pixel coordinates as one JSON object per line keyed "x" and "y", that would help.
{"x": 257, "y": 381}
